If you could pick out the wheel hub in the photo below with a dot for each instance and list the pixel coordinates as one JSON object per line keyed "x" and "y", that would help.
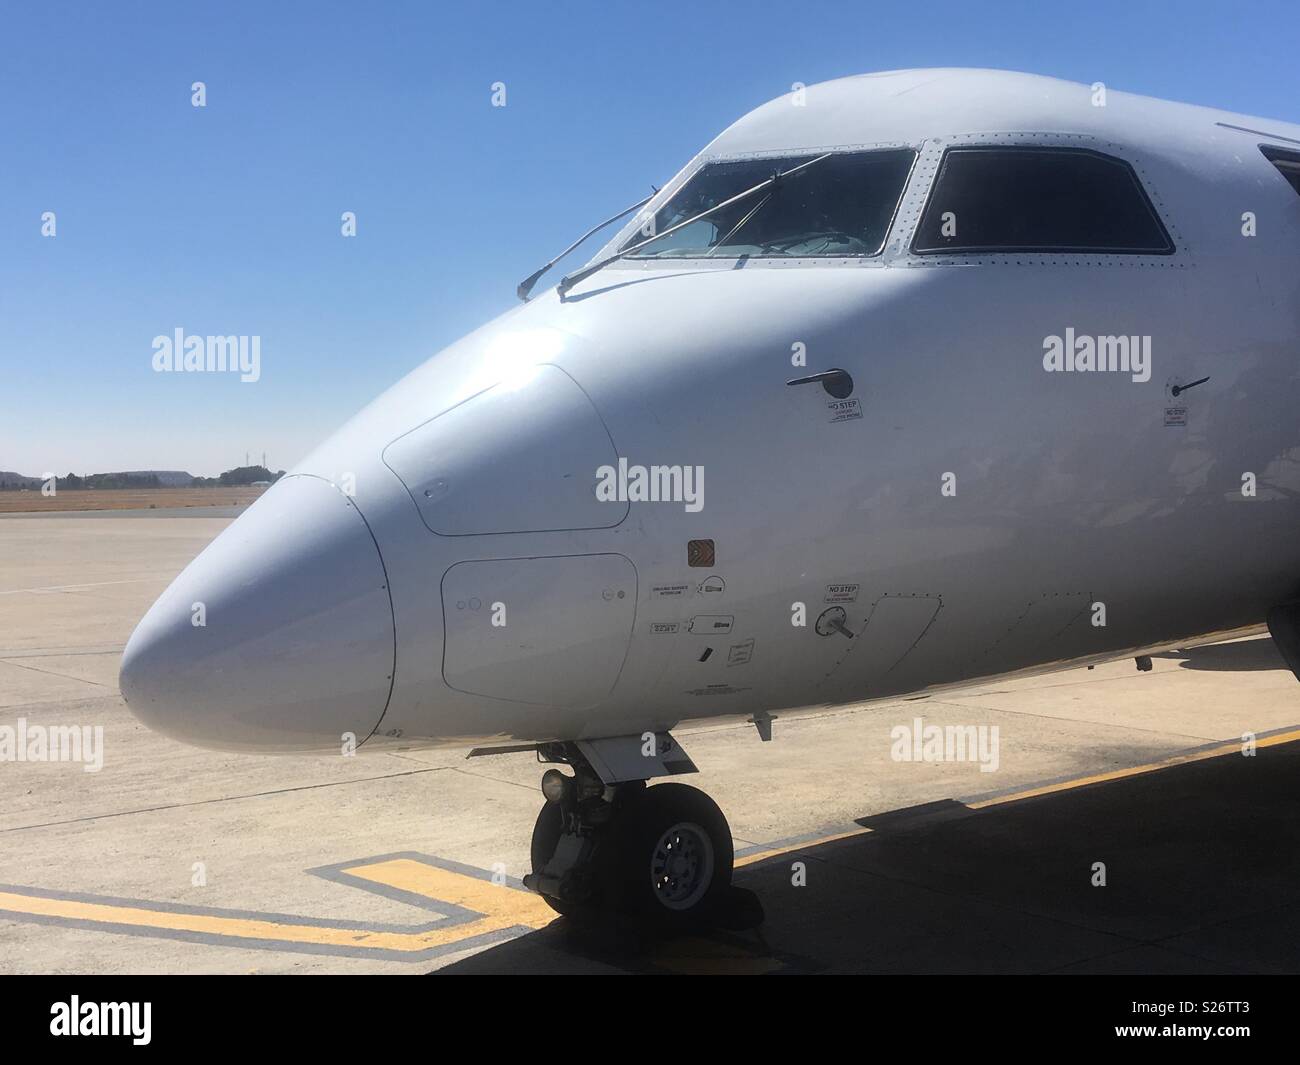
{"x": 681, "y": 867}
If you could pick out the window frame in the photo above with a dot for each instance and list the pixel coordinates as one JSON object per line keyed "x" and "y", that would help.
{"x": 1170, "y": 246}
{"x": 803, "y": 154}
{"x": 1285, "y": 161}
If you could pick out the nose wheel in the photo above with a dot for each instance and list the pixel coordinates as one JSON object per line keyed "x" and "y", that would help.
{"x": 658, "y": 856}
{"x": 674, "y": 857}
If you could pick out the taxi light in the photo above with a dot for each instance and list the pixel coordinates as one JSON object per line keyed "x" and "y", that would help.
{"x": 555, "y": 785}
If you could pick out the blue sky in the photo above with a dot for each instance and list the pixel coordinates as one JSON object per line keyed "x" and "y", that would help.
{"x": 225, "y": 219}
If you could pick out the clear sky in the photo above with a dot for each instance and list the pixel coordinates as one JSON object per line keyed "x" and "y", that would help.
{"x": 226, "y": 219}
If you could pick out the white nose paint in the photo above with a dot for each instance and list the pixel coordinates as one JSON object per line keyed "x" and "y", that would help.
{"x": 296, "y": 645}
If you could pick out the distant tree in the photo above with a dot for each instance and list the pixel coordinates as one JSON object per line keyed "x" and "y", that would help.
{"x": 245, "y": 475}
{"x": 117, "y": 480}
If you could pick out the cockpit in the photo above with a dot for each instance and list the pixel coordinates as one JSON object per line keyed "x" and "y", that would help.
{"x": 802, "y": 206}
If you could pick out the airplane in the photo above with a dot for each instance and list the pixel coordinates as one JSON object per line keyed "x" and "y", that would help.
{"x": 906, "y": 381}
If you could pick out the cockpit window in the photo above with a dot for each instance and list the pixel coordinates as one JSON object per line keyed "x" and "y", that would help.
{"x": 1038, "y": 200}
{"x": 839, "y": 205}
{"x": 1287, "y": 163}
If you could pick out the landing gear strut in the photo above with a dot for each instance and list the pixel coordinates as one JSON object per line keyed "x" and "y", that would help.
{"x": 660, "y": 856}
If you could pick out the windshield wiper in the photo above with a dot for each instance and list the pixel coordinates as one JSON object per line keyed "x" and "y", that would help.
{"x": 526, "y": 285}
{"x": 569, "y": 280}
{"x": 734, "y": 229}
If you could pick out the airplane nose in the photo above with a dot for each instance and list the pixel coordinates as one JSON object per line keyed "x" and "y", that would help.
{"x": 278, "y": 635}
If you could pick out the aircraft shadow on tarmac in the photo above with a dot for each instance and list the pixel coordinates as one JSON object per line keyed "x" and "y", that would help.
{"x": 1242, "y": 656}
{"x": 1202, "y": 874}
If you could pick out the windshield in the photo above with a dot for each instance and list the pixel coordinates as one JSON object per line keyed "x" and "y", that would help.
{"x": 841, "y": 206}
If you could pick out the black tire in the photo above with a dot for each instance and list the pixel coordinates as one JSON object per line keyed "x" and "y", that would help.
{"x": 672, "y": 892}
{"x": 546, "y": 834}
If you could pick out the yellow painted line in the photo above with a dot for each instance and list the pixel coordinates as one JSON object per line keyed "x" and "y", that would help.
{"x": 443, "y": 885}
{"x": 1133, "y": 771}
{"x": 502, "y": 907}
{"x": 238, "y": 927}
{"x": 1045, "y": 789}
{"x": 808, "y": 844}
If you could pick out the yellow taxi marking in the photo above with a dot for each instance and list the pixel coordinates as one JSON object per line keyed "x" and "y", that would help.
{"x": 808, "y": 844}
{"x": 494, "y": 901}
{"x": 1132, "y": 771}
{"x": 496, "y": 908}
{"x": 229, "y": 927}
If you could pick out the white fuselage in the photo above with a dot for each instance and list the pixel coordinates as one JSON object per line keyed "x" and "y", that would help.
{"x": 972, "y": 515}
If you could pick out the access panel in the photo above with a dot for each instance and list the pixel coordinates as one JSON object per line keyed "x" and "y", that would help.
{"x": 521, "y": 456}
{"x": 552, "y": 631}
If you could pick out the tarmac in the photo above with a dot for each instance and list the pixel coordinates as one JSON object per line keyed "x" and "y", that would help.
{"x": 1127, "y": 827}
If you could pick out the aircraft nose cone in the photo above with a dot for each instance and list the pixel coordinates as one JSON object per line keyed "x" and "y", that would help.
{"x": 279, "y": 636}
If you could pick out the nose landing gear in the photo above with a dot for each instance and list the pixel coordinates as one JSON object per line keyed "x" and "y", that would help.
{"x": 660, "y": 856}
{"x": 672, "y": 858}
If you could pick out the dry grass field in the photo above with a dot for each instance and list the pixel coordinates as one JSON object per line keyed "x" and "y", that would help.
{"x": 125, "y": 499}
